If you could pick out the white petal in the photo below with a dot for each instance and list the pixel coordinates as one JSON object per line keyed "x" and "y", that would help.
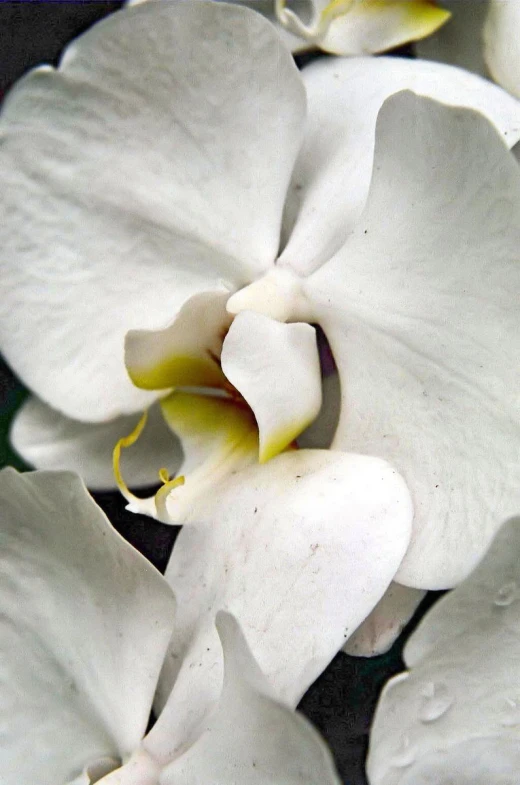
{"x": 85, "y": 623}
{"x": 459, "y": 41}
{"x": 494, "y": 578}
{"x": 464, "y": 685}
{"x": 480, "y": 761}
{"x": 502, "y": 43}
{"x": 421, "y": 311}
{"x": 134, "y": 177}
{"x": 381, "y": 629}
{"x": 48, "y": 440}
{"x": 187, "y": 352}
{"x": 370, "y": 27}
{"x": 299, "y": 549}
{"x": 276, "y": 368}
{"x": 333, "y": 171}
{"x": 266, "y": 8}
{"x": 251, "y": 738}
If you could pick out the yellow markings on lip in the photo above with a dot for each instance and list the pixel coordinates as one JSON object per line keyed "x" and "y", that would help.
{"x": 222, "y": 430}
{"x": 168, "y": 484}
{"x": 281, "y": 440}
{"x": 162, "y": 493}
{"x": 420, "y": 17}
{"x": 190, "y": 414}
{"x": 230, "y": 421}
{"x": 179, "y": 371}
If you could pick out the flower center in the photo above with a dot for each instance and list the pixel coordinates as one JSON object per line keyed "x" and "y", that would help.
{"x": 263, "y": 391}
{"x": 219, "y": 436}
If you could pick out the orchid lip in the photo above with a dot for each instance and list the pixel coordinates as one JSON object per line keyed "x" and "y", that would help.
{"x": 226, "y": 428}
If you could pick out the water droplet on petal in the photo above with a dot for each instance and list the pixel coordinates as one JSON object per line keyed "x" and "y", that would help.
{"x": 405, "y": 755}
{"x": 436, "y": 702}
{"x": 506, "y": 594}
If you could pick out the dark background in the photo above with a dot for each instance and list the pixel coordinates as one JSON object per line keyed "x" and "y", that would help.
{"x": 342, "y": 701}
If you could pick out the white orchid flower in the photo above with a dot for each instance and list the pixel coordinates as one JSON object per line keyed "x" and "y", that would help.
{"x": 483, "y": 36}
{"x": 85, "y": 623}
{"x": 347, "y": 27}
{"x": 453, "y": 716}
{"x": 141, "y": 186}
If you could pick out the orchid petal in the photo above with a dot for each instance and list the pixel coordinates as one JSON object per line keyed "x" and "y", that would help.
{"x": 299, "y": 549}
{"x": 380, "y": 630}
{"x": 502, "y": 44}
{"x": 251, "y": 738}
{"x": 458, "y": 707}
{"x": 134, "y": 177}
{"x": 377, "y": 25}
{"x": 457, "y": 612}
{"x": 332, "y": 174}
{"x": 48, "y": 440}
{"x": 459, "y": 42}
{"x": 421, "y": 311}
{"x": 187, "y": 352}
{"x": 276, "y": 368}
{"x": 480, "y": 761}
{"x": 84, "y": 627}
{"x": 267, "y": 8}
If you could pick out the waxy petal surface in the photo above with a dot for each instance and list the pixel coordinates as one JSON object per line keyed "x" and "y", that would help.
{"x": 139, "y": 173}
{"x": 276, "y": 368}
{"x": 251, "y": 738}
{"x": 299, "y": 549}
{"x": 454, "y": 716}
{"x": 332, "y": 175}
{"x": 47, "y": 439}
{"x": 495, "y": 577}
{"x": 421, "y": 311}
{"x": 85, "y": 623}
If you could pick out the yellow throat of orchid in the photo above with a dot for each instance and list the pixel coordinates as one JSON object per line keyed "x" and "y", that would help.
{"x": 219, "y": 435}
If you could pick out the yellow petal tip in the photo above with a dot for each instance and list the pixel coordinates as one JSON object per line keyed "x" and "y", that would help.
{"x": 423, "y": 18}
{"x": 279, "y": 441}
